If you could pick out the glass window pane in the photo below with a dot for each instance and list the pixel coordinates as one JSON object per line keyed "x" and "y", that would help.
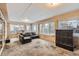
{"x": 16, "y": 28}
{"x": 28, "y": 28}
{"x": 70, "y": 24}
{"x": 47, "y": 28}
{"x": 41, "y": 29}
{"x": 35, "y": 28}
{"x": 52, "y": 28}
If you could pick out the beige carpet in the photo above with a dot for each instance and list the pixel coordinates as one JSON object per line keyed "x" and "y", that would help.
{"x": 37, "y": 47}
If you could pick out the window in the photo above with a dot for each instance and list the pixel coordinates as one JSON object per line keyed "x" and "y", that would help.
{"x": 47, "y": 28}
{"x": 52, "y": 28}
{"x": 70, "y": 24}
{"x": 41, "y": 28}
{"x": 35, "y": 28}
{"x": 28, "y": 28}
{"x": 16, "y": 28}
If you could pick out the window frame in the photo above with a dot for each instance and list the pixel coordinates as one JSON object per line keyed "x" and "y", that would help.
{"x": 42, "y": 28}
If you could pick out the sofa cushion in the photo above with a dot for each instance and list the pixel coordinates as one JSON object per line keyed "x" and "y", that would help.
{"x": 26, "y": 37}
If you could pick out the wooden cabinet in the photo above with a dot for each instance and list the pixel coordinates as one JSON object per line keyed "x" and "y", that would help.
{"x": 64, "y": 39}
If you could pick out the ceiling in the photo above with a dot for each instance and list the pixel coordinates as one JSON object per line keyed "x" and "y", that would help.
{"x": 37, "y": 11}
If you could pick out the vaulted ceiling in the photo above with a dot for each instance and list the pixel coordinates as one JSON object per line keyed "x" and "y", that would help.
{"x": 37, "y": 11}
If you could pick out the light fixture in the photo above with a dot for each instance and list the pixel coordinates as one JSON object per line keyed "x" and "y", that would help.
{"x": 26, "y": 20}
{"x": 52, "y": 4}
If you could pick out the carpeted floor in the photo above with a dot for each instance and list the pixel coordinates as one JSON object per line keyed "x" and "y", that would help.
{"x": 37, "y": 47}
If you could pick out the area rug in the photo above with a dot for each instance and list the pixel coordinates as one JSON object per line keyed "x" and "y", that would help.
{"x": 37, "y": 47}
